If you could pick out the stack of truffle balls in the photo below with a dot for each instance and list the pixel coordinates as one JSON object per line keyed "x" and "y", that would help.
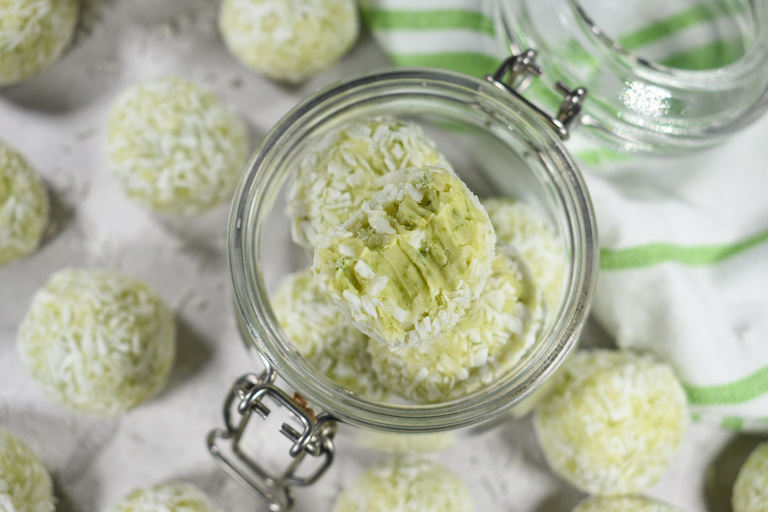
{"x": 417, "y": 289}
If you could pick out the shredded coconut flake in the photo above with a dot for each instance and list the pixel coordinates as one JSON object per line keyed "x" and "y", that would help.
{"x": 534, "y": 236}
{"x": 33, "y": 34}
{"x": 323, "y": 335}
{"x": 174, "y": 146}
{"x": 24, "y": 482}
{"x": 357, "y": 160}
{"x": 623, "y": 504}
{"x": 406, "y": 486}
{"x": 612, "y": 421}
{"x": 750, "y": 492}
{"x": 173, "y": 497}
{"x": 289, "y": 40}
{"x": 429, "y": 286}
{"x": 486, "y": 342}
{"x": 23, "y": 206}
{"x": 97, "y": 341}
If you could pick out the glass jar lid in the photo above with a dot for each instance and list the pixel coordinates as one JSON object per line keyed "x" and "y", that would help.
{"x": 662, "y": 75}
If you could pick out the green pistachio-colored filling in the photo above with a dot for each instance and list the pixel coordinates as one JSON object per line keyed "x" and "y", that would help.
{"x": 408, "y": 263}
{"x": 489, "y": 338}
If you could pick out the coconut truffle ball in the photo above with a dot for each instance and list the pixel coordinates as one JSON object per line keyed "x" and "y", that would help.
{"x": 33, "y": 34}
{"x": 24, "y": 482}
{"x": 535, "y": 238}
{"x": 490, "y": 337}
{"x": 612, "y": 422}
{"x": 173, "y": 497}
{"x": 407, "y": 264}
{"x": 404, "y": 444}
{"x": 623, "y": 504}
{"x": 97, "y": 341}
{"x": 23, "y": 206}
{"x": 750, "y": 492}
{"x": 174, "y": 146}
{"x": 406, "y": 486}
{"x": 323, "y": 335}
{"x": 340, "y": 171}
{"x": 288, "y": 40}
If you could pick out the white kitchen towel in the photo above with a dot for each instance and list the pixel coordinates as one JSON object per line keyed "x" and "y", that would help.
{"x": 684, "y": 240}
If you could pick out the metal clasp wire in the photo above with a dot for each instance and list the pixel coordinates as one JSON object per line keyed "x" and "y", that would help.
{"x": 315, "y": 438}
{"x": 517, "y": 68}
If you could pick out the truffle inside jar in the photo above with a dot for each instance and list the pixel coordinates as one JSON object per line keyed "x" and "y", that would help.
{"x": 412, "y": 267}
{"x": 406, "y": 265}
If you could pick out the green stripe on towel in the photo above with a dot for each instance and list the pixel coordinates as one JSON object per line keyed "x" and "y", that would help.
{"x": 654, "y": 254}
{"x": 439, "y": 19}
{"x": 668, "y": 27}
{"x": 710, "y": 56}
{"x": 474, "y": 64}
{"x": 736, "y": 392}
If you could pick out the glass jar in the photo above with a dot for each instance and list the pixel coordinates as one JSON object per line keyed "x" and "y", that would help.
{"x": 663, "y": 75}
{"x": 501, "y": 146}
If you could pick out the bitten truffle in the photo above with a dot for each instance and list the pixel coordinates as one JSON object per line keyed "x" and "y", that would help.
{"x": 407, "y": 264}
{"x": 174, "y": 146}
{"x": 489, "y": 339}
{"x": 173, "y": 497}
{"x": 323, "y": 335}
{"x": 612, "y": 422}
{"x": 24, "y": 482}
{"x": 406, "y": 485}
{"x": 340, "y": 171}
{"x": 23, "y": 207}
{"x": 750, "y": 492}
{"x": 289, "y": 40}
{"x": 97, "y": 341}
{"x": 33, "y": 34}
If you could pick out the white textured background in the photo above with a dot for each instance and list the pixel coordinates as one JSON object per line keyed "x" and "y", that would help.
{"x": 56, "y": 121}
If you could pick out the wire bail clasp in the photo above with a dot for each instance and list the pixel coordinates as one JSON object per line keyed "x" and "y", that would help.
{"x": 313, "y": 435}
{"x": 517, "y": 68}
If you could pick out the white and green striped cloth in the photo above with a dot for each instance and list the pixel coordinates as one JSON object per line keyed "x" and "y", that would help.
{"x": 684, "y": 240}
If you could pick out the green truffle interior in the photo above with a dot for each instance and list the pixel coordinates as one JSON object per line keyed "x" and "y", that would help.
{"x": 434, "y": 243}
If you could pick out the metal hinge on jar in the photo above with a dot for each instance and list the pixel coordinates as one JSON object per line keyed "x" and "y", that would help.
{"x": 517, "y": 68}
{"x": 313, "y": 437}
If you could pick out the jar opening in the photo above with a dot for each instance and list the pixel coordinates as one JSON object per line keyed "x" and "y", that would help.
{"x": 497, "y": 146}
{"x": 663, "y": 75}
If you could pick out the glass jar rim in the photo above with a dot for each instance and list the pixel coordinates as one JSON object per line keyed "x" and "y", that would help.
{"x": 631, "y": 96}
{"x": 711, "y": 78}
{"x": 252, "y": 201}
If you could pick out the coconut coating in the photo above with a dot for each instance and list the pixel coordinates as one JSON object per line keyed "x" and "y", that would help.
{"x": 172, "y": 497}
{"x": 405, "y": 444}
{"x": 750, "y": 491}
{"x": 174, "y": 146}
{"x": 33, "y": 34}
{"x": 25, "y": 485}
{"x": 612, "y": 421}
{"x": 408, "y": 263}
{"x": 623, "y": 504}
{"x": 323, "y": 335}
{"x": 97, "y": 341}
{"x": 23, "y": 207}
{"x": 406, "y": 486}
{"x": 289, "y": 40}
{"x": 490, "y": 337}
{"x": 535, "y": 238}
{"x": 340, "y": 171}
